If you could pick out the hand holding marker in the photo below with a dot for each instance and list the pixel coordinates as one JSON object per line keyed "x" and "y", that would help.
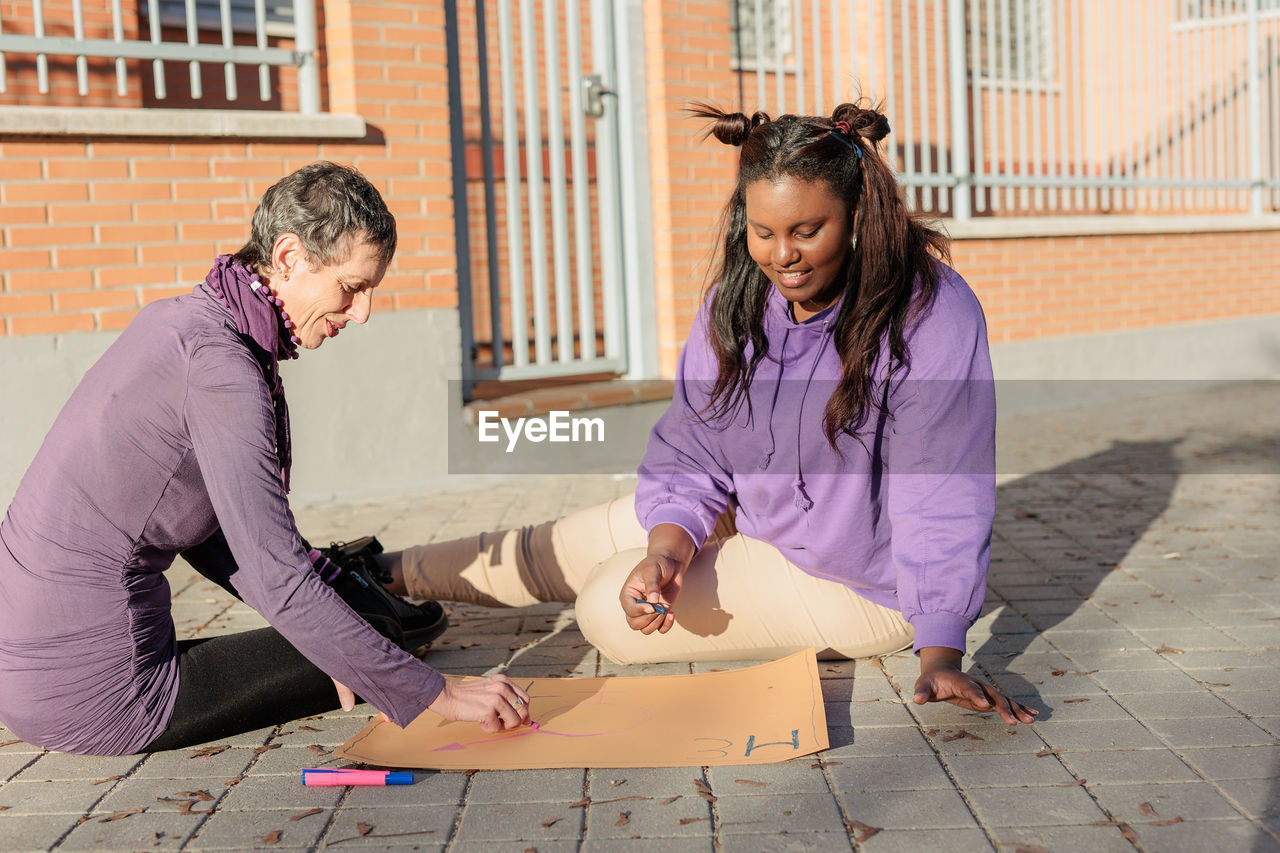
{"x": 661, "y": 610}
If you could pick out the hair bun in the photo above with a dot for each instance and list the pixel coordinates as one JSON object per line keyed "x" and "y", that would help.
{"x": 865, "y": 121}
{"x": 729, "y": 128}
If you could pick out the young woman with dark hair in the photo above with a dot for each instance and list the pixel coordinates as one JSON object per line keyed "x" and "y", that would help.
{"x": 825, "y": 474}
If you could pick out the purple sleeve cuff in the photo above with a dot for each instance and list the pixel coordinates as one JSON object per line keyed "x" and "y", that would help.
{"x": 408, "y": 711}
{"x": 939, "y": 629}
{"x": 682, "y": 517}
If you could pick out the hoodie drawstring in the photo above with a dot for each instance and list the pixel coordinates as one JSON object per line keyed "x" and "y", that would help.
{"x": 767, "y": 456}
{"x": 800, "y": 498}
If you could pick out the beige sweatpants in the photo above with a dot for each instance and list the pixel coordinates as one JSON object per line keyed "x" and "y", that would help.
{"x": 741, "y": 598}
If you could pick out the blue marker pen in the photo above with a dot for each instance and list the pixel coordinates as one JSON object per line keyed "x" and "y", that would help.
{"x": 657, "y": 607}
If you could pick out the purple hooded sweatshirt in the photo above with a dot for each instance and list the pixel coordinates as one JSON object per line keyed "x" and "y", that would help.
{"x": 901, "y": 515}
{"x": 171, "y": 435}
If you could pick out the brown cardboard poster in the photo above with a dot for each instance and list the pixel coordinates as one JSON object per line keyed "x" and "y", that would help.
{"x": 755, "y": 715}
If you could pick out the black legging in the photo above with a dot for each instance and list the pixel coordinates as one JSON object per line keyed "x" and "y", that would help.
{"x": 236, "y": 683}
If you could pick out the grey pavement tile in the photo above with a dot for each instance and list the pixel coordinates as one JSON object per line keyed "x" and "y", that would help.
{"x": 60, "y": 765}
{"x": 1260, "y": 798}
{"x": 1082, "y": 707}
{"x": 1072, "y": 682}
{"x": 1030, "y": 664}
{"x": 1254, "y": 762}
{"x": 1176, "y": 706}
{"x": 1130, "y": 766}
{"x": 32, "y": 832}
{"x": 909, "y": 809}
{"x": 33, "y": 798}
{"x": 1119, "y": 660}
{"x": 527, "y": 786}
{"x": 1212, "y": 732}
{"x": 688, "y": 815}
{"x": 1007, "y": 771}
{"x": 190, "y": 764}
{"x": 327, "y": 731}
{"x": 873, "y": 712}
{"x": 1169, "y": 680}
{"x": 520, "y": 822}
{"x": 984, "y": 738}
{"x": 1224, "y": 661}
{"x": 144, "y": 831}
{"x": 14, "y": 746}
{"x": 258, "y": 829}
{"x": 703, "y": 844}
{"x": 659, "y": 783}
{"x": 1163, "y": 801}
{"x": 1042, "y": 806}
{"x": 916, "y": 840}
{"x": 1269, "y": 724}
{"x": 1236, "y": 835}
{"x": 1111, "y": 734}
{"x": 1255, "y": 636}
{"x": 888, "y": 773}
{"x": 394, "y": 827}
{"x": 1247, "y": 680}
{"x": 875, "y": 740}
{"x": 160, "y": 795}
{"x": 801, "y": 813}
{"x": 12, "y": 764}
{"x": 449, "y": 658}
{"x": 798, "y": 776}
{"x": 1187, "y": 638}
{"x": 278, "y": 792}
{"x": 276, "y": 760}
{"x": 787, "y": 842}
{"x": 1095, "y": 839}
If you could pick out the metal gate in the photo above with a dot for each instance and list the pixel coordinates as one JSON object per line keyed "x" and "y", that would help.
{"x": 534, "y": 118}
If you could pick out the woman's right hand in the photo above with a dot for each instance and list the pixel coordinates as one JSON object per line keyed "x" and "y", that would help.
{"x": 495, "y": 702}
{"x": 654, "y": 583}
{"x": 650, "y": 591}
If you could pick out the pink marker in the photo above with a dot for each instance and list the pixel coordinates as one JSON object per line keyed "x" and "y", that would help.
{"x": 312, "y": 776}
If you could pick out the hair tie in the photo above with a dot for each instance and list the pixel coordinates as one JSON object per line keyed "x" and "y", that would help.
{"x": 845, "y": 131}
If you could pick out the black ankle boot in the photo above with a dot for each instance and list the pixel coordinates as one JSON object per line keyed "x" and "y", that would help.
{"x": 352, "y": 571}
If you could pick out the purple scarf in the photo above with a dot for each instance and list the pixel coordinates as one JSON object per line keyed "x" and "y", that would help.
{"x": 240, "y": 290}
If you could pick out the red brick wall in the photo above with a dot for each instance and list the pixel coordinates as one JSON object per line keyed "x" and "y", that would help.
{"x": 93, "y": 228}
{"x": 1042, "y": 287}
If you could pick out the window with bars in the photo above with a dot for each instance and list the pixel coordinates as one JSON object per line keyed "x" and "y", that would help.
{"x": 1210, "y": 9}
{"x": 748, "y": 20}
{"x": 278, "y": 16}
{"x": 1013, "y": 42}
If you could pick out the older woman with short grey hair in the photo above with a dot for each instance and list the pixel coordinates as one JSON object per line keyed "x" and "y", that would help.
{"x": 177, "y": 442}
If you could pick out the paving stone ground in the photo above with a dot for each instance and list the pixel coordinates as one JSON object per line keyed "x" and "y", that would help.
{"x": 1132, "y": 599}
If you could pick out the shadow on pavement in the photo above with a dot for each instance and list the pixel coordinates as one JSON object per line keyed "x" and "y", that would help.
{"x": 1058, "y": 533}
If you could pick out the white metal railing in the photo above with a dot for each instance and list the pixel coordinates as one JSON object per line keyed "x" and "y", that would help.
{"x": 551, "y": 249}
{"x": 232, "y": 17}
{"x": 1039, "y": 107}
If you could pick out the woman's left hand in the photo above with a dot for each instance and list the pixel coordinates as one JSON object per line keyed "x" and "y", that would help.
{"x": 942, "y": 680}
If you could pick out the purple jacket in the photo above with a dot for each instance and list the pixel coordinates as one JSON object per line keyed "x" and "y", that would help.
{"x": 901, "y": 515}
{"x": 170, "y": 436}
